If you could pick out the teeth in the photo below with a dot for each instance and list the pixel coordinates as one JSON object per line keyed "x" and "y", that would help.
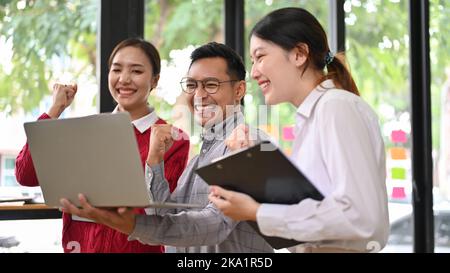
{"x": 264, "y": 85}
{"x": 199, "y": 107}
{"x": 128, "y": 91}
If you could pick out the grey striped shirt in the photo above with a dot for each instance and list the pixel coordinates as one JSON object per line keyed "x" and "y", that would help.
{"x": 197, "y": 230}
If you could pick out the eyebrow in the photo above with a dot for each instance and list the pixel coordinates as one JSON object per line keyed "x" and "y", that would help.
{"x": 132, "y": 65}
{"x": 204, "y": 79}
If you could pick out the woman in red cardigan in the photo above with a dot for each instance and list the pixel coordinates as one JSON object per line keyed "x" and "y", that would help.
{"x": 134, "y": 68}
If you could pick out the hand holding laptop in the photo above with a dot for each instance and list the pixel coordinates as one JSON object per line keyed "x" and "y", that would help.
{"x": 83, "y": 155}
{"x": 122, "y": 219}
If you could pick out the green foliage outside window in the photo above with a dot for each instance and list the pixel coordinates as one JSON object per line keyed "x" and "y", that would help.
{"x": 37, "y": 32}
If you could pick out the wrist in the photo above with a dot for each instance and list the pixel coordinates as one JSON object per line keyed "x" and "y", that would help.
{"x": 154, "y": 160}
{"x": 55, "y": 111}
{"x": 255, "y": 212}
{"x": 131, "y": 226}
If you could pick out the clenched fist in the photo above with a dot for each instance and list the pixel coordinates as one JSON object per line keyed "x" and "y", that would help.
{"x": 161, "y": 139}
{"x": 63, "y": 96}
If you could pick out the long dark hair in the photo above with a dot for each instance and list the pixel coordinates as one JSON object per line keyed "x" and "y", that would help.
{"x": 288, "y": 27}
{"x": 149, "y": 49}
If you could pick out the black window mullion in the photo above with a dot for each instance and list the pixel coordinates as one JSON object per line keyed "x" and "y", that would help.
{"x": 118, "y": 20}
{"x": 422, "y": 171}
{"x": 337, "y": 25}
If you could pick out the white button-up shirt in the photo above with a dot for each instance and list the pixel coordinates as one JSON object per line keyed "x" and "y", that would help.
{"x": 338, "y": 146}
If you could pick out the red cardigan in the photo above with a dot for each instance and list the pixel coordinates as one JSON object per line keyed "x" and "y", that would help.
{"x": 94, "y": 237}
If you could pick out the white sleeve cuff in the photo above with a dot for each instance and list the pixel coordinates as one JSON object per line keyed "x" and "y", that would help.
{"x": 270, "y": 219}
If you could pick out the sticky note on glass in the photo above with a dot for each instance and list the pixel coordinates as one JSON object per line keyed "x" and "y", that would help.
{"x": 398, "y": 153}
{"x": 398, "y": 193}
{"x": 288, "y": 133}
{"x": 398, "y": 173}
{"x": 288, "y": 151}
{"x": 269, "y": 129}
{"x": 398, "y": 136}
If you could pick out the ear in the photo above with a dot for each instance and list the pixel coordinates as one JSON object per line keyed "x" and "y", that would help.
{"x": 155, "y": 80}
{"x": 240, "y": 90}
{"x": 299, "y": 54}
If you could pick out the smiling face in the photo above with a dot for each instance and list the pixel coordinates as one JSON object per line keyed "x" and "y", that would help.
{"x": 131, "y": 79}
{"x": 208, "y": 108}
{"x": 275, "y": 70}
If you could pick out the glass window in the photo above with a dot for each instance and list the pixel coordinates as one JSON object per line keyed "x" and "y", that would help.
{"x": 176, "y": 28}
{"x": 442, "y": 228}
{"x": 277, "y": 120}
{"x": 377, "y": 50}
{"x": 41, "y": 42}
{"x": 440, "y": 107}
{"x": 401, "y": 232}
{"x": 9, "y": 163}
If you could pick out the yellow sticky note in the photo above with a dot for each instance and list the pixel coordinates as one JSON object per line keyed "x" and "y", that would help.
{"x": 288, "y": 151}
{"x": 398, "y": 153}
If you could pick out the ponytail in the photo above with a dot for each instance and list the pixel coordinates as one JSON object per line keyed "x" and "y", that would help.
{"x": 338, "y": 71}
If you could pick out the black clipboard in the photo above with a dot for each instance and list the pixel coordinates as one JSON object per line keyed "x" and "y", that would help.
{"x": 266, "y": 174}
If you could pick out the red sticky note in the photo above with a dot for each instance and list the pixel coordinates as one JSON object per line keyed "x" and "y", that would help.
{"x": 288, "y": 133}
{"x": 398, "y": 136}
{"x": 398, "y": 193}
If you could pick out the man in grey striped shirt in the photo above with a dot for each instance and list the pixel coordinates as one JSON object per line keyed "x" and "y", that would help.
{"x": 215, "y": 83}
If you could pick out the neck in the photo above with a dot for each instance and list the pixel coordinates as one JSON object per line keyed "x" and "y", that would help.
{"x": 305, "y": 85}
{"x": 137, "y": 113}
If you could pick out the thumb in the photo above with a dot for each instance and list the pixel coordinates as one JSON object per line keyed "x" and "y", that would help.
{"x": 219, "y": 191}
{"x": 122, "y": 210}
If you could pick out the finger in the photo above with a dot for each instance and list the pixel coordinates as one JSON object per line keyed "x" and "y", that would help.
{"x": 99, "y": 215}
{"x": 74, "y": 87}
{"x": 123, "y": 210}
{"x": 219, "y": 191}
{"x": 70, "y": 93}
{"x": 244, "y": 143}
{"x": 84, "y": 202}
{"x": 68, "y": 207}
{"x": 174, "y": 133}
{"x": 218, "y": 202}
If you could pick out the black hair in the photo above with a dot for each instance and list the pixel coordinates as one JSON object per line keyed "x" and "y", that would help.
{"x": 149, "y": 49}
{"x": 289, "y": 27}
{"x": 235, "y": 65}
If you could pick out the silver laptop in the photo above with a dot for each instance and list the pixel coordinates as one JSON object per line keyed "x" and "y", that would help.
{"x": 95, "y": 155}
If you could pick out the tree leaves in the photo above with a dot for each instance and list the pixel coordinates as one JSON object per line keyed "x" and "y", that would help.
{"x": 39, "y": 31}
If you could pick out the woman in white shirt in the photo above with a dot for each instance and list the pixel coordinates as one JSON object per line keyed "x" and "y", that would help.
{"x": 337, "y": 145}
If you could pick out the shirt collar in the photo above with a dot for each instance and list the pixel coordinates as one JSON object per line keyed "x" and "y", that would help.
{"x": 310, "y": 101}
{"x": 144, "y": 123}
{"x": 224, "y": 128}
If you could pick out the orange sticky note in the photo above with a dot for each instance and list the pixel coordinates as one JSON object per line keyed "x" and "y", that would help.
{"x": 398, "y": 153}
{"x": 288, "y": 151}
{"x": 269, "y": 129}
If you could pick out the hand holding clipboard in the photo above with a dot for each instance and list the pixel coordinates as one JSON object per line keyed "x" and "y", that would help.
{"x": 266, "y": 174}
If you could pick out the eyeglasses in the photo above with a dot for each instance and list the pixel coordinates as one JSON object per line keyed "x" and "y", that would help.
{"x": 189, "y": 85}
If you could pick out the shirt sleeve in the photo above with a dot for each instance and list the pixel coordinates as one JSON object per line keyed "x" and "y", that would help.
{"x": 175, "y": 160}
{"x": 24, "y": 167}
{"x": 353, "y": 153}
{"x": 159, "y": 190}
{"x": 187, "y": 228}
